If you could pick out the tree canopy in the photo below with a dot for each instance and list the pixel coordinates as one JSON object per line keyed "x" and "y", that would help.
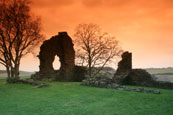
{"x": 20, "y": 33}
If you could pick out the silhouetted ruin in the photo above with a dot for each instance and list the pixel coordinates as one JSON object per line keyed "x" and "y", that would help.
{"x": 126, "y": 63}
{"x": 60, "y": 45}
{"x": 124, "y": 67}
{"x": 125, "y": 75}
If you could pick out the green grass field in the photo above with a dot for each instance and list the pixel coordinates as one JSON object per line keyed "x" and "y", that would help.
{"x": 71, "y": 98}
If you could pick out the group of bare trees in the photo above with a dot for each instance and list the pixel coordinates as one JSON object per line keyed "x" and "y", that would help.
{"x": 20, "y": 34}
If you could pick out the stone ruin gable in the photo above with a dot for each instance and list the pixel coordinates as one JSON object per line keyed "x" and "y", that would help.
{"x": 124, "y": 67}
{"x": 128, "y": 76}
{"x": 62, "y": 46}
{"x": 126, "y": 63}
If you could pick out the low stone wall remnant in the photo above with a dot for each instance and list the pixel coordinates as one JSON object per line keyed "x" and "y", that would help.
{"x": 108, "y": 83}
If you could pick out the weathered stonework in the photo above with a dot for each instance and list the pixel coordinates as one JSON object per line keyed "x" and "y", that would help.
{"x": 125, "y": 75}
{"x": 126, "y": 63}
{"x": 124, "y": 67}
{"x": 60, "y": 45}
{"x": 108, "y": 83}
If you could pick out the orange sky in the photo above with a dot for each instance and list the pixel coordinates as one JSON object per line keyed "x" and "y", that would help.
{"x": 143, "y": 27}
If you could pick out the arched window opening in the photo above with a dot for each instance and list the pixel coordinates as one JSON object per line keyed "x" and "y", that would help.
{"x": 56, "y": 63}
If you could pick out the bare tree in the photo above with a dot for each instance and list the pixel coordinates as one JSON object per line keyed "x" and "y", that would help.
{"x": 94, "y": 48}
{"x": 19, "y": 34}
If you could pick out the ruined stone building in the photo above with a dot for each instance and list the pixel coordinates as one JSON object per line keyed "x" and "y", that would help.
{"x": 60, "y": 45}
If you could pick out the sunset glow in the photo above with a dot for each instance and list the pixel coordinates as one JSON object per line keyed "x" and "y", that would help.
{"x": 143, "y": 27}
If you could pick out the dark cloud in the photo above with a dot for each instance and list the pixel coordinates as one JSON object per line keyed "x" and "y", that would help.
{"x": 131, "y": 8}
{"x": 92, "y": 3}
{"x": 127, "y": 3}
{"x": 51, "y": 3}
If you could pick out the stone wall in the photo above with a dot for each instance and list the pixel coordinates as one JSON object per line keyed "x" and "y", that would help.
{"x": 124, "y": 67}
{"x": 60, "y": 45}
{"x": 126, "y": 63}
{"x": 125, "y": 75}
{"x": 109, "y": 83}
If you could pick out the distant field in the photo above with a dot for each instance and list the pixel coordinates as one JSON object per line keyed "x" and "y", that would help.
{"x": 162, "y": 74}
{"x": 160, "y": 70}
{"x": 23, "y": 74}
{"x": 165, "y": 77}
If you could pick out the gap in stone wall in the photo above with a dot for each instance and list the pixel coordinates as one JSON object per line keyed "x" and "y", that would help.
{"x": 56, "y": 63}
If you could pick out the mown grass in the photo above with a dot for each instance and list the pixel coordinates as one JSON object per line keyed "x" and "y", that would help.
{"x": 71, "y": 98}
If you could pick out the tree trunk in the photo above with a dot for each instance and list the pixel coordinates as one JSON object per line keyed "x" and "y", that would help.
{"x": 8, "y": 72}
{"x": 13, "y": 74}
{"x": 16, "y": 71}
{"x": 89, "y": 66}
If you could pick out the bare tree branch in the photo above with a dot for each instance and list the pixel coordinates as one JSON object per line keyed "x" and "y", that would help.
{"x": 94, "y": 48}
{"x": 19, "y": 34}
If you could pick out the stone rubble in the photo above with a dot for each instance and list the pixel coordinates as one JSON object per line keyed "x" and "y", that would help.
{"x": 32, "y": 82}
{"x": 107, "y": 83}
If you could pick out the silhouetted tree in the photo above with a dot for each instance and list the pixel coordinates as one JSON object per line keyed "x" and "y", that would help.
{"x": 19, "y": 34}
{"x": 94, "y": 48}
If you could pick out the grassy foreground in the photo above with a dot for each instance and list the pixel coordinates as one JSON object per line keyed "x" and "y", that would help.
{"x": 71, "y": 98}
